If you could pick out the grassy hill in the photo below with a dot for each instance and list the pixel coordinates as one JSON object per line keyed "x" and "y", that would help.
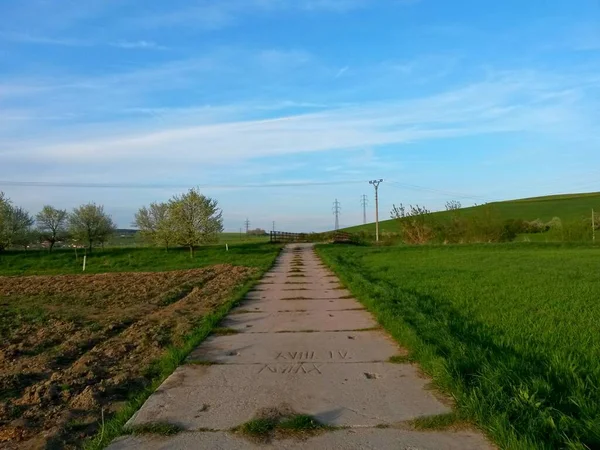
{"x": 567, "y": 206}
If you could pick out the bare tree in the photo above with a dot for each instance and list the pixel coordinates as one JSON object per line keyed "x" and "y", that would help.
{"x": 415, "y": 223}
{"x": 453, "y": 205}
{"x": 155, "y": 224}
{"x": 15, "y": 224}
{"x": 196, "y": 219}
{"x": 52, "y": 224}
{"x": 91, "y": 225}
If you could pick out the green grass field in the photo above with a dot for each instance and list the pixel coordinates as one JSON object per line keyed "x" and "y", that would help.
{"x": 134, "y": 259}
{"x": 512, "y": 331}
{"x": 568, "y": 207}
{"x": 129, "y": 238}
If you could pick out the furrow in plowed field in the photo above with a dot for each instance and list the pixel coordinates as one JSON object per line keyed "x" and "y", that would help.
{"x": 73, "y": 345}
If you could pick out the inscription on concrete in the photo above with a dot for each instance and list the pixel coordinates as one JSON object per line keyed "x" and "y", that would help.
{"x": 301, "y": 368}
{"x": 340, "y": 354}
{"x": 296, "y": 356}
{"x": 311, "y": 355}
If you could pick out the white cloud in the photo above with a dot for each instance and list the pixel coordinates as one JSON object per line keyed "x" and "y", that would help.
{"x": 46, "y": 40}
{"x": 341, "y": 72}
{"x": 143, "y": 45}
{"x": 207, "y": 15}
{"x": 71, "y": 42}
{"x": 513, "y": 102}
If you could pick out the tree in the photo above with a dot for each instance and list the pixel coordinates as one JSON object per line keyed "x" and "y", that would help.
{"x": 15, "y": 224}
{"x": 52, "y": 224}
{"x": 91, "y": 225}
{"x": 5, "y": 218}
{"x": 196, "y": 219}
{"x": 155, "y": 224}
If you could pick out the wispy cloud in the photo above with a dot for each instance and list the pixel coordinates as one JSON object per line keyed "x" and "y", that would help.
{"x": 45, "y": 40}
{"x": 142, "y": 45}
{"x": 511, "y": 103}
{"x": 342, "y": 71}
{"x": 71, "y": 42}
{"x": 208, "y": 15}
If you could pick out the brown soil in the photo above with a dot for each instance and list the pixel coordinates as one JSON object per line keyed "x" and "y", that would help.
{"x": 74, "y": 345}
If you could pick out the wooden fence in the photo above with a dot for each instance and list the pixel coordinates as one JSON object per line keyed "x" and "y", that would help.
{"x": 337, "y": 237}
{"x": 282, "y": 236}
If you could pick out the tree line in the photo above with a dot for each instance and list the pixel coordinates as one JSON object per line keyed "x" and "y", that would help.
{"x": 87, "y": 224}
{"x": 419, "y": 225}
{"x": 188, "y": 220}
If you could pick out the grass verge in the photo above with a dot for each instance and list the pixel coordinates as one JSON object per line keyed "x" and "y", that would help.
{"x": 157, "y": 428}
{"x": 439, "y": 422}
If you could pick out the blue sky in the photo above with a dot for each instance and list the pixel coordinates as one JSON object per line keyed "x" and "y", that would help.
{"x": 468, "y": 100}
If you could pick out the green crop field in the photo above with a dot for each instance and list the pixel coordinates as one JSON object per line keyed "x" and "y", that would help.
{"x": 130, "y": 238}
{"x": 512, "y": 331}
{"x": 568, "y": 207}
{"x": 146, "y": 259}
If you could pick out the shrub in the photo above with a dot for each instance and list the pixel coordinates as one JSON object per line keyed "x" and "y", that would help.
{"x": 416, "y": 224}
{"x": 535, "y": 226}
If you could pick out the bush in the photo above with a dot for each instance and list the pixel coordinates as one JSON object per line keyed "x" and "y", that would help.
{"x": 416, "y": 224}
{"x": 535, "y": 226}
{"x": 419, "y": 226}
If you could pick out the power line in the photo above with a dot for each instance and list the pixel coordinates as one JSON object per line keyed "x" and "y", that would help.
{"x": 247, "y": 223}
{"x": 336, "y": 211}
{"x": 364, "y": 201}
{"x": 85, "y": 185}
{"x": 171, "y": 186}
{"x": 438, "y": 191}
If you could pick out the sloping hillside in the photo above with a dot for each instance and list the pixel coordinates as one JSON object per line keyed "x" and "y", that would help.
{"x": 567, "y": 206}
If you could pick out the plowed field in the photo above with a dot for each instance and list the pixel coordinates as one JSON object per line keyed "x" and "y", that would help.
{"x": 73, "y": 346}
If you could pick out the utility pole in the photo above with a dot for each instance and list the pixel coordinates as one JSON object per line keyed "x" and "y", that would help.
{"x": 273, "y": 226}
{"x": 247, "y": 223}
{"x": 336, "y": 212}
{"x": 376, "y": 183}
{"x": 364, "y": 201}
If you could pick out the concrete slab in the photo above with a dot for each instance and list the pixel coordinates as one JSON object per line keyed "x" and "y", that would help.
{"x": 284, "y": 291}
{"x": 261, "y": 348}
{"x": 220, "y": 397}
{"x": 351, "y": 439}
{"x": 297, "y": 305}
{"x": 300, "y": 321}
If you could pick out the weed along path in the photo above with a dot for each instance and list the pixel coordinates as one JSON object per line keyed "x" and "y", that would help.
{"x": 299, "y": 364}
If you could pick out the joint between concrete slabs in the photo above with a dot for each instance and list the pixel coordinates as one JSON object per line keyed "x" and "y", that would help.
{"x": 215, "y": 363}
{"x": 360, "y": 330}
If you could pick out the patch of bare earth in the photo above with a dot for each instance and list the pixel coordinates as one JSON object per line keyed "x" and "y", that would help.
{"x": 74, "y": 345}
